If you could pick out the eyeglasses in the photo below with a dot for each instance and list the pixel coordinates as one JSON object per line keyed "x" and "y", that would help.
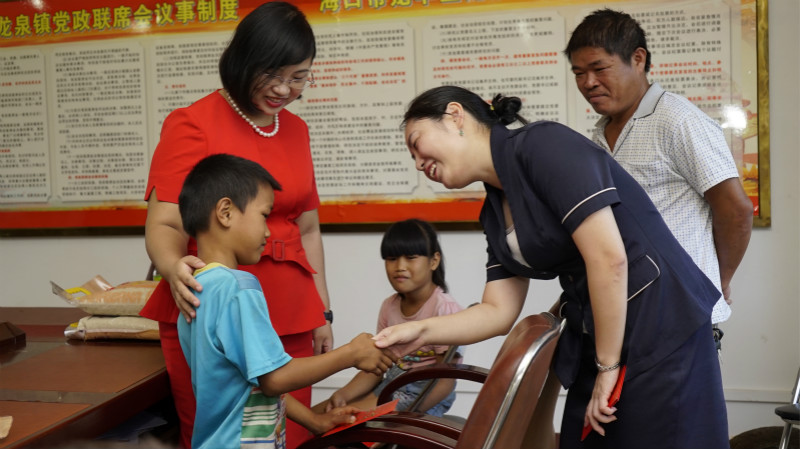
{"x": 293, "y": 83}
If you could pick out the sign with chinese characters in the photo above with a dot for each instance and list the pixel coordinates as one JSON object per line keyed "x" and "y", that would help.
{"x": 85, "y": 86}
{"x": 364, "y": 76}
{"x": 511, "y": 54}
{"x": 24, "y": 146}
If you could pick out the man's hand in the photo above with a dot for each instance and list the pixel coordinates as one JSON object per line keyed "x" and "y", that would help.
{"x": 726, "y": 293}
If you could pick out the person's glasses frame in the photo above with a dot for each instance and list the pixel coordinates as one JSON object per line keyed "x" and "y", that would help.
{"x": 273, "y": 80}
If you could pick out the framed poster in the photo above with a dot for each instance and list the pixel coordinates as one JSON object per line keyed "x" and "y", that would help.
{"x": 85, "y": 87}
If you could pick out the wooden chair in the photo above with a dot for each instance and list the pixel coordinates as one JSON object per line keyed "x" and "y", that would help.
{"x": 502, "y": 410}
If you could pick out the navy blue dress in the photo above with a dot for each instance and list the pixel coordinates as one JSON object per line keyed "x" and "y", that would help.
{"x": 553, "y": 178}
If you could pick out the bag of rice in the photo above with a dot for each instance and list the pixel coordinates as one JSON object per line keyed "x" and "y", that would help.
{"x": 98, "y": 297}
{"x": 113, "y": 327}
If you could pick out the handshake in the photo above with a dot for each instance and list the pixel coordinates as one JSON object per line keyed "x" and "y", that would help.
{"x": 367, "y": 357}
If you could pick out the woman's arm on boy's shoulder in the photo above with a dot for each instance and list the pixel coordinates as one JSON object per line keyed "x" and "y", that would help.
{"x": 301, "y": 372}
{"x": 165, "y": 243}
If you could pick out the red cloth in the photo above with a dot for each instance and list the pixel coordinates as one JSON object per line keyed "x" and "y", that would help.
{"x": 178, "y": 370}
{"x": 211, "y": 126}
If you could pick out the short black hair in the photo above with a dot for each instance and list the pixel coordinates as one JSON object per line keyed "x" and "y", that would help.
{"x": 213, "y": 178}
{"x": 414, "y": 237}
{"x": 614, "y": 31}
{"x": 432, "y": 104}
{"x": 274, "y": 35}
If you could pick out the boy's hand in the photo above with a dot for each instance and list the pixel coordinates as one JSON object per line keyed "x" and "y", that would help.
{"x": 323, "y": 422}
{"x": 367, "y": 357}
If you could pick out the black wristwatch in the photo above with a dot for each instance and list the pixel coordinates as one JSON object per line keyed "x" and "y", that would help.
{"x": 328, "y": 315}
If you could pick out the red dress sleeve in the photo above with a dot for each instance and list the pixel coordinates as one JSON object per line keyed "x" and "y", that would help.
{"x": 181, "y": 146}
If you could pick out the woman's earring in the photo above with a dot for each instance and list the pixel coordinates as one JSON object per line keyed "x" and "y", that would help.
{"x": 461, "y": 132}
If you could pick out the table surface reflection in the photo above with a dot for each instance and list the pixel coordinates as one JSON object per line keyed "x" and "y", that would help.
{"x": 59, "y": 390}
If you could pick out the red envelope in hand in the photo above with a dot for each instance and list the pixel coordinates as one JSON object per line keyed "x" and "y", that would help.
{"x": 612, "y": 400}
{"x": 366, "y": 416}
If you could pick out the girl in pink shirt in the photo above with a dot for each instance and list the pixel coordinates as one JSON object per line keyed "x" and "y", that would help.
{"x": 415, "y": 268}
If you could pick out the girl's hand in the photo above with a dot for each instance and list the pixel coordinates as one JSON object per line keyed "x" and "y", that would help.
{"x": 336, "y": 400}
{"x": 181, "y": 281}
{"x": 323, "y": 422}
{"x": 401, "y": 339}
{"x": 598, "y": 412}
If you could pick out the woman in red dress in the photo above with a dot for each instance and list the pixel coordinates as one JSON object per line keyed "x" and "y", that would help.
{"x": 266, "y": 66}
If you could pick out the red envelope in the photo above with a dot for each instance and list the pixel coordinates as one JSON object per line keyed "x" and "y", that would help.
{"x": 366, "y": 416}
{"x": 612, "y": 400}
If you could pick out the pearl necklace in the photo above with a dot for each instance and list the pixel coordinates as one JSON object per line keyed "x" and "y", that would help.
{"x": 250, "y": 122}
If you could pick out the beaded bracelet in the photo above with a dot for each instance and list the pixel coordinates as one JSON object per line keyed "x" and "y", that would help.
{"x": 603, "y": 368}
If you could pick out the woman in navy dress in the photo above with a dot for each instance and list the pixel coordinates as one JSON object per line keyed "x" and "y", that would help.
{"x": 559, "y": 206}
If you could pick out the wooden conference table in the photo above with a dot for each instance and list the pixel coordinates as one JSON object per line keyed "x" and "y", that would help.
{"x": 60, "y": 390}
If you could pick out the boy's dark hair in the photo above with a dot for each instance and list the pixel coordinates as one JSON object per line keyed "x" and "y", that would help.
{"x": 274, "y": 35}
{"x": 614, "y": 31}
{"x": 414, "y": 237}
{"x": 432, "y": 104}
{"x": 213, "y": 178}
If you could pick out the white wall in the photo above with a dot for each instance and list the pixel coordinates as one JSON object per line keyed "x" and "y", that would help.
{"x": 762, "y": 339}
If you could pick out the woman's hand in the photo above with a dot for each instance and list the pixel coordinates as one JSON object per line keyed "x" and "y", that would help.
{"x": 323, "y": 338}
{"x": 166, "y": 242}
{"x": 181, "y": 281}
{"x": 401, "y": 339}
{"x": 598, "y": 412}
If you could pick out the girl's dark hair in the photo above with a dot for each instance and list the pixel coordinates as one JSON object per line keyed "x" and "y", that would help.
{"x": 614, "y": 31}
{"x": 274, "y": 35}
{"x": 216, "y": 177}
{"x": 414, "y": 237}
{"x": 432, "y": 104}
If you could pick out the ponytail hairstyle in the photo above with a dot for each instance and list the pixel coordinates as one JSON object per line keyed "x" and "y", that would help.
{"x": 414, "y": 237}
{"x": 432, "y": 104}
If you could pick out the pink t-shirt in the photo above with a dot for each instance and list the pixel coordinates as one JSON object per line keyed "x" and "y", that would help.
{"x": 440, "y": 303}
